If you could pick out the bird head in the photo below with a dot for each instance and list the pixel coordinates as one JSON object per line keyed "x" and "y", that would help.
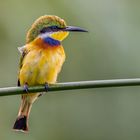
{"x": 50, "y": 26}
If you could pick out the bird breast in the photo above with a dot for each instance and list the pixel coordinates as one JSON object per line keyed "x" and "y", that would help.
{"x": 42, "y": 65}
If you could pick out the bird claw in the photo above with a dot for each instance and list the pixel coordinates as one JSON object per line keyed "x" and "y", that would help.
{"x": 25, "y": 87}
{"x": 46, "y": 87}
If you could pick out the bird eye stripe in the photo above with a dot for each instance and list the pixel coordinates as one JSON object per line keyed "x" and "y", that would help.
{"x": 54, "y": 27}
{"x": 50, "y": 29}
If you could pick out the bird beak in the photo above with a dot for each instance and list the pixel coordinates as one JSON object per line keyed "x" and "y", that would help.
{"x": 74, "y": 29}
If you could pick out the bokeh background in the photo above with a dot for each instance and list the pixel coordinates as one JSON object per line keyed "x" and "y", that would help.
{"x": 110, "y": 50}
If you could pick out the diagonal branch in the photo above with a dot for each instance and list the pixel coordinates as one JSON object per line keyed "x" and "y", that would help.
{"x": 71, "y": 86}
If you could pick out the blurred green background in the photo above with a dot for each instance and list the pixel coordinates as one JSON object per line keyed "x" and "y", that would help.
{"x": 110, "y": 50}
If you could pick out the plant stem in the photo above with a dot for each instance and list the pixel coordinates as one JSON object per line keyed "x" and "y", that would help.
{"x": 71, "y": 86}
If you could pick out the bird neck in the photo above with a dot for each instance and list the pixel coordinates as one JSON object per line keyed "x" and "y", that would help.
{"x": 45, "y": 42}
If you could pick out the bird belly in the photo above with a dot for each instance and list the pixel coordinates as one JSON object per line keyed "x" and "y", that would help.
{"x": 41, "y": 66}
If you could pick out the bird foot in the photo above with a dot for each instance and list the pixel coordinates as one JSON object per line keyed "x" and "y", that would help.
{"x": 46, "y": 87}
{"x": 25, "y": 87}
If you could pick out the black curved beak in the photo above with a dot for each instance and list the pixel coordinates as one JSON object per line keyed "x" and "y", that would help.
{"x": 74, "y": 29}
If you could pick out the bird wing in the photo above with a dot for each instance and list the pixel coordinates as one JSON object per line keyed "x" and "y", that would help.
{"x": 23, "y": 52}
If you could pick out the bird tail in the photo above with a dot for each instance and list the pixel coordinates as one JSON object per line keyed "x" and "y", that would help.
{"x": 21, "y": 123}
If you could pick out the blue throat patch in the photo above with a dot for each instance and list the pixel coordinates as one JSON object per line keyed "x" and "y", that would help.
{"x": 52, "y": 42}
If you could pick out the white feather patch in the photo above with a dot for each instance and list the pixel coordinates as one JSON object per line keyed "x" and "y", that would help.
{"x": 21, "y": 49}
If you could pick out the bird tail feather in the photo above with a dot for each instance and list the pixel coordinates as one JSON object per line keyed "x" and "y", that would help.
{"x": 21, "y": 123}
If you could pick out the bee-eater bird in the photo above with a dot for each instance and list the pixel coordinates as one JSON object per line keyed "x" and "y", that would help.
{"x": 41, "y": 60}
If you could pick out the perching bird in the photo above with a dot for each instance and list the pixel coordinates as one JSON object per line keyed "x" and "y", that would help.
{"x": 41, "y": 60}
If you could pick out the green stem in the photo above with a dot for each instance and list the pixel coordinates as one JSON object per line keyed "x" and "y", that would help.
{"x": 72, "y": 85}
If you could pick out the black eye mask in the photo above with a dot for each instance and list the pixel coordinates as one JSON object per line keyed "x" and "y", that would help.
{"x": 50, "y": 29}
